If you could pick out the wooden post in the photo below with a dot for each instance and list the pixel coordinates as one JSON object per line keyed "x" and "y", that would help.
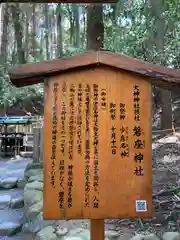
{"x": 6, "y": 139}
{"x": 41, "y": 143}
{"x": 97, "y": 226}
{"x": 36, "y": 144}
{"x": 15, "y": 145}
{"x": 97, "y": 229}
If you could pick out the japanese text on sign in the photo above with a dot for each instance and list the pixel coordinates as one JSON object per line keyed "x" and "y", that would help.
{"x": 99, "y": 142}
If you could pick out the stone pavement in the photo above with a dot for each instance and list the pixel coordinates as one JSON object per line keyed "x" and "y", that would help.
{"x": 11, "y": 198}
{"x": 21, "y": 210}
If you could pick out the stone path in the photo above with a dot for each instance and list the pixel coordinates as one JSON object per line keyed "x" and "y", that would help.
{"x": 11, "y": 198}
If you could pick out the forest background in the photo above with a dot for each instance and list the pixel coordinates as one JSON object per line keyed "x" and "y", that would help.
{"x": 144, "y": 29}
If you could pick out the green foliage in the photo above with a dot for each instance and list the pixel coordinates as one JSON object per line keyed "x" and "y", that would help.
{"x": 130, "y": 29}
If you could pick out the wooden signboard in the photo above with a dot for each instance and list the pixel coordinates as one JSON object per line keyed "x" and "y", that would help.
{"x": 97, "y": 145}
{"x": 97, "y": 134}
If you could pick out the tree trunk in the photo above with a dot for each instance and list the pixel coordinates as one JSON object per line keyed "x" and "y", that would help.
{"x": 95, "y": 27}
{"x": 51, "y": 22}
{"x": 26, "y": 44}
{"x": 59, "y": 15}
{"x": 4, "y": 32}
{"x": 166, "y": 115}
{"x": 46, "y": 30}
{"x": 84, "y": 32}
{"x": 33, "y": 38}
{"x": 18, "y": 32}
{"x": 95, "y": 40}
{"x": 77, "y": 26}
{"x": 157, "y": 9}
{"x": 71, "y": 19}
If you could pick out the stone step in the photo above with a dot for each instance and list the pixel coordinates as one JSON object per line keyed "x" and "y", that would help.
{"x": 19, "y": 236}
{"x": 8, "y": 182}
{"x": 17, "y": 198}
{"x": 12, "y": 215}
{"x": 27, "y": 154}
{"x": 11, "y": 198}
{"x": 11, "y": 221}
{"x": 11, "y": 172}
{"x": 5, "y": 200}
{"x": 10, "y": 228}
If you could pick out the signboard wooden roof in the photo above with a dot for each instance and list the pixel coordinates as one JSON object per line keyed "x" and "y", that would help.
{"x": 97, "y": 133}
{"x": 28, "y": 74}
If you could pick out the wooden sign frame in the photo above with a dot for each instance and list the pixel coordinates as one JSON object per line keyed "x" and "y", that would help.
{"x": 102, "y": 136}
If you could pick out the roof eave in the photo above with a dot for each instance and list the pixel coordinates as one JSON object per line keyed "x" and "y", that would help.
{"x": 29, "y": 74}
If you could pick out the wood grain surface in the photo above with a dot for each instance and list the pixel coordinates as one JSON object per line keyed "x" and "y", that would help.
{"x": 97, "y": 145}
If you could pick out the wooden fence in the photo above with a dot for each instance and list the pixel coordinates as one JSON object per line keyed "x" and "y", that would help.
{"x": 38, "y": 132}
{"x": 38, "y": 145}
{"x": 21, "y": 139}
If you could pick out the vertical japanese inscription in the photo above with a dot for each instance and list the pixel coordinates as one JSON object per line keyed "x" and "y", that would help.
{"x": 71, "y": 141}
{"x": 139, "y": 143}
{"x": 124, "y": 145}
{"x": 112, "y": 111}
{"x": 54, "y": 132}
{"x": 113, "y": 140}
{"x": 136, "y": 95}
{"x": 87, "y": 146}
{"x": 70, "y": 185}
{"x": 103, "y": 99}
{"x": 122, "y": 111}
{"x": 71, "y": 120}
{"x": 96, "y": 144}
{"x": 79, "y": 120}
{"x": 62, "y": 147}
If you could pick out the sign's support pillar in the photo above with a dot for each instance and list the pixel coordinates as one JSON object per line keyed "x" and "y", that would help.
{"x": 97, "y": 229}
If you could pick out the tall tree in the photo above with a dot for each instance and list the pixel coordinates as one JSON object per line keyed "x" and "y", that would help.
{"x": 95, "y": 26}
{"x": 158, "y": 11}
{"x": 4, "y": 31}
{"x": 77, "y": 26}
{"x": 46, "y": 22}
{"x": 59, "y": 24}
{"x": 95, "y": 41}
{"x": 26, "y": 43}
{"x": 18, "y": 30}
{"x": 33, "y": 37}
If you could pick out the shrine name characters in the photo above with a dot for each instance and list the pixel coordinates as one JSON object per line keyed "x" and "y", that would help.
{"x": 139, "y": 142}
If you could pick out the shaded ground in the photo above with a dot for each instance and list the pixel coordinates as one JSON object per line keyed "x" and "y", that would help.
{"x": 166, "y": 191}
